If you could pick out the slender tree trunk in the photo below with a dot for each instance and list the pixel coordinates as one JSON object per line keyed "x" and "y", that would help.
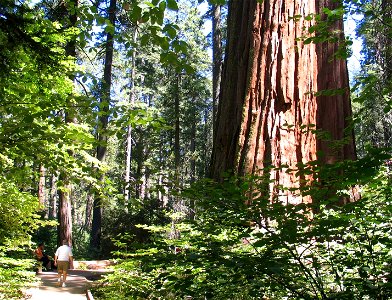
{"x": 206, "y": 138}
{"x": 139, "y": 170}
{"x": 147, "y": 184}
{"x": 41, "y": 186}
{"x": 89, "y": 210}
{"x": 386, "y": 40}
{"x": 162, "y": 193}
{"x": 268, "y": 102}
{"x": 177, "y": 157}
{"x": 103, "y": 121}
{"x": 64, "y": 210}
{"x": 53, "y": 197}
{"x": 132, "y": 97}
{"x": 386, "y": 62}
{"x": 217, "y": 60}
{"x": 192, "y": 177}
{"x": 193, "y": 153}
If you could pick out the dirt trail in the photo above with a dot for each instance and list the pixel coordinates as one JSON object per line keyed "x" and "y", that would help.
{"x": 78, "y": 282}
{"x": 50, "y": 289}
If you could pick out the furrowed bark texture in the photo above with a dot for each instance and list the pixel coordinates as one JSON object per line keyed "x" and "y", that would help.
{"x": 333, "y": 111}
{"x": 268, "y": 104}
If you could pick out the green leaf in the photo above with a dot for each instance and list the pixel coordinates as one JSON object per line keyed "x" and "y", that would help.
{"x": 170, "y": 30}
{"x": 144, "y": 39}
{"x": 136, "y": 13}
{"x": 110, "y": 29}
{"x": 172, "y": 4}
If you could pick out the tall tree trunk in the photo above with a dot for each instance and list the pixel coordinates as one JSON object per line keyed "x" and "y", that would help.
{"x": 217, "y": 60}
{"x": 177, "y": 157}
{"x": 206, "y": 138}
{"x": 386, "y": 62}
{"x": 140, "y": 169}
{"x": 333, "y": 112}
{"x": 41, "y": 186}
{"x": 268, "y": 104}
{"x": 132, "y": 97}
{"x": 103, "y": 121}
{"x": 89, "y": 210}
{"x": 147, "y": 184}
{"x": 64, "y": 210}
{"x": 65, "y": 213}
{"x": 53, "y": 197}
{"x": 386, "y": 40}
{"x": 192, "y": 175}
{"x": 162, "y": 180}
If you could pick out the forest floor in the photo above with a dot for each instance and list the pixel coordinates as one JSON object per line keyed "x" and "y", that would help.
{"x": 78, "y": 283}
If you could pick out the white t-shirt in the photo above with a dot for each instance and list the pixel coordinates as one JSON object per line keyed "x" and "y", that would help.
{"x": 63, "y": 253}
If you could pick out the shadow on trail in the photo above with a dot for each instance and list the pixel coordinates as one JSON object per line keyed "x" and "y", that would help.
{"x": 78, "y": 282}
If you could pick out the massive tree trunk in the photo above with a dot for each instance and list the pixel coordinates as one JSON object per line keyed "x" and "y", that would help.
{"x": 103, "y": 121}
{"x": 333, "y": 109}
{"x": 268, "y": 100}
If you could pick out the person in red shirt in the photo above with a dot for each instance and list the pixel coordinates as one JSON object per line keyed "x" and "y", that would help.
{"x": 42, "y": 256}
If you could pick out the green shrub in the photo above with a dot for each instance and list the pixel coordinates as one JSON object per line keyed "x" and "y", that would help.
{"x": 18, "y": 220}
{"x": 16, "y": 275}
{"x": 240, "y": 249}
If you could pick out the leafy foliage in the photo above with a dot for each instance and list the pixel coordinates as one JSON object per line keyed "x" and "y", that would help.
{"x": 235, "y": 248}
{"x": 17, "y": 216}
{"x": 241, "y": 249}
{"x": 15, "y": 277}
{"x": 373, "y": 85}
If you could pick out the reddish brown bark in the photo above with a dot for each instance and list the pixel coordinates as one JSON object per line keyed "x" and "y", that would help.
{"x": 65, "y": 214}
{"x": 268, "y": 103}
{"x": 333, "y": 111}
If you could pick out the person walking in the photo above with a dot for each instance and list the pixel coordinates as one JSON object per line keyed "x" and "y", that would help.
{"x": 64, "y": 260}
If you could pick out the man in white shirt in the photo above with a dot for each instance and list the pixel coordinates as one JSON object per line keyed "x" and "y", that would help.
{"x": 63, "y": 260}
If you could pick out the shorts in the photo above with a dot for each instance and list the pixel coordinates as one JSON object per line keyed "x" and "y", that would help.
{"x": 62, "y": 266}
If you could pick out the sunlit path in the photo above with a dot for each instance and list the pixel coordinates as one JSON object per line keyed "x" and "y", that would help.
{"x": 78, "y": 282}
{"x": 49, "y": 289}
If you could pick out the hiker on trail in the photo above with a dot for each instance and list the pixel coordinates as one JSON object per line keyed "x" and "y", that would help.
{"x": 63, "y": 259}
{"x": 42, "y": 256}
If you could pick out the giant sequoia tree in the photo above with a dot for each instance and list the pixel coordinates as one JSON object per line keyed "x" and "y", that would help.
{"x": 285, "y": 97}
